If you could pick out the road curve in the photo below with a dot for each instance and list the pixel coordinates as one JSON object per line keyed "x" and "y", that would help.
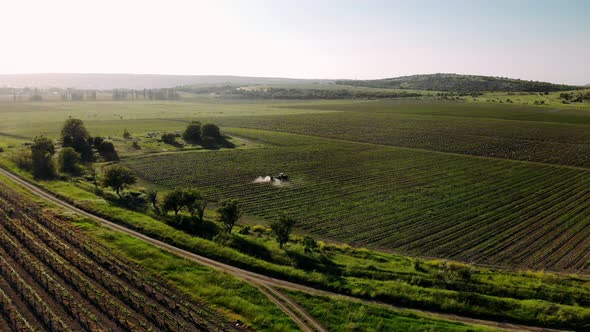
{"x": 266, "y": 284}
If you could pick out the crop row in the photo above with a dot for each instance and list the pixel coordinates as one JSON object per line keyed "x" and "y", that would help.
{"x": 116, "y": 289}
{"x": 411, "y": 201}
{"x": 112, "y": 273}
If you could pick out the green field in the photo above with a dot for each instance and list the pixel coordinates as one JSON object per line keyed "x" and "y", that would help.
{"x": 352, "y": 179}
{"x": 422, "y": 203}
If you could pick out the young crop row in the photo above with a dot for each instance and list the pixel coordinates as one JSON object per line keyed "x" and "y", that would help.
{"x": 475, "y": 209}
{"x": 69, "y": 267}
{"x": 437, "y": 128}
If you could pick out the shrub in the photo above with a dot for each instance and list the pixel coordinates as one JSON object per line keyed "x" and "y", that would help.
{"x": 169, "y": 138}
{"x": 107, "y": 151}
{"x": 23, "y": 160}
{"x": 245, "y": 230}
{"x": 126, "y": 134}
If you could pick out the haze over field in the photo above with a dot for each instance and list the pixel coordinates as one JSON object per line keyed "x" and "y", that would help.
{"x": 295, "y": 165}
{"x": 530, "y": 39}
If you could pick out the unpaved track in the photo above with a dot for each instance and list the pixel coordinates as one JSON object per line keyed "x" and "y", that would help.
{"x": 266, "y": 284}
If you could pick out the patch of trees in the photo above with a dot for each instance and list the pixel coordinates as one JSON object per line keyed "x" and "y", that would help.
{"x": 75, "y": 135}
{"x": 208, "y": 135}
{"x": 145, "y": 94}
{"x": 459, "y": 83}
{"x": 575, "y": 97}
{"x": 295, "y": 93}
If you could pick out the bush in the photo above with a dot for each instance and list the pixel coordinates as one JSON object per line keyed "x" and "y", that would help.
{"x": 169, "y": 138}
{"x": 23, "y": 160}
{"x": 107, "y": 151}
{"x": 245, "y": 230}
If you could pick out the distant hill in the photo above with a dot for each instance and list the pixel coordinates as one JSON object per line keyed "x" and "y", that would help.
{"x": 459, "y": 83}
{"x": 132, "y": 81}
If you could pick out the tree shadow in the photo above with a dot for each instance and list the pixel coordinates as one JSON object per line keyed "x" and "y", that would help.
{"x": 216, "y": 143}
{"x": 319, "y": 263}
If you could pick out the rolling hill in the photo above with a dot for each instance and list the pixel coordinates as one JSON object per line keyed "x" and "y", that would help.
{"x": 459, "y": 83}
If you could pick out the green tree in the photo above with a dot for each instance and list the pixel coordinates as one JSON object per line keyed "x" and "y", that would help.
{"x": 229, "y": 213}
{"x": 152, "y": 196}
{"x": 282, "y": 228}
{"x": 194, "y": 202}
{"x": 69, "y": 160}
{"x": 107, "y": 151}
{"x": 192, "y": 133}
{"x": 118, "y": 177}
{"x": 210, "y": 130}
{"x": 173, "y": 201}
{"x": 75, "y": 135}
{"x": 42, "y": 151}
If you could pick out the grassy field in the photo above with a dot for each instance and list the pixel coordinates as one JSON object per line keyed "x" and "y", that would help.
{"x": 371, "y": 318}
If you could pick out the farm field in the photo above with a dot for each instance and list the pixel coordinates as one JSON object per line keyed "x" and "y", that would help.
{"x": 416, "y": 202}
{"x": 540, "y": 134}
{"x": 55, "y": 278}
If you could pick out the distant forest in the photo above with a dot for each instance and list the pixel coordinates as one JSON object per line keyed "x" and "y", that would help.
{"x": 298, "y": 93}
{"x": 460, "y": 83}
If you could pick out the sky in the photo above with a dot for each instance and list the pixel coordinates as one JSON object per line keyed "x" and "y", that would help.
{"x": 365, "y": 39}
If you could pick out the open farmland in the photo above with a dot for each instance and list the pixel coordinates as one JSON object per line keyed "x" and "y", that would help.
{"x": 419, "y": 202}
{"x": 56, "y": 279}
{"x": 540, "y": 134}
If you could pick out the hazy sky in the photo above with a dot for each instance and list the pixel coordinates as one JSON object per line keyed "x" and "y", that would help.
{"x": 540, "y": 40}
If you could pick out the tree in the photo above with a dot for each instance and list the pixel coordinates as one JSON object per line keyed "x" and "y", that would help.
{"x": 107, "y": 151}
{"x": 210, "y": 130}
{"x": 194, "y": 202}
{"x": 152, "y": 196}
{"x": 75, "y": 135}
{"x": 118, "y": 177}
{"x": 229, "y": 213}
{"x": 173, "y": 201}
{"x": 309, "y": 244}
{"x": 42, "y": 151}
{"x": 282, "y": 228}
{"x": 69, "y": 160}
{"x": 192, "y": 133}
